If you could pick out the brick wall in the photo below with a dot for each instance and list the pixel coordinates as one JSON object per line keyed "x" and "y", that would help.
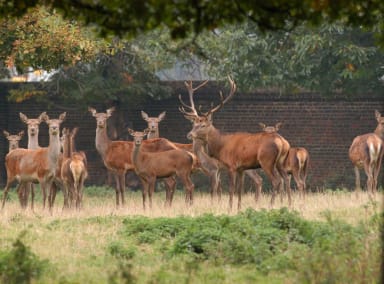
{"x": 326, "y": 127}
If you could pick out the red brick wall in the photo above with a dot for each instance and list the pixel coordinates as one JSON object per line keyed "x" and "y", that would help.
{"x": 326, "y": 127}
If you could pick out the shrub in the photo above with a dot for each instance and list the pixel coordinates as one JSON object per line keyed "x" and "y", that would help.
{"x": 20, "y": 265}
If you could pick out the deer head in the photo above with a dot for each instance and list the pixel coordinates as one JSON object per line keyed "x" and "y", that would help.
{"x": 101, "y": 117}
{"x": 202, "y": 123}
{"x": 138, "y": 136}
{"x": 270, "y": 129}
{"x": 153, "y": 122}
{"x": 54, "y": 124}
{"x": 380, "y": 124}
{"x": 32, "y": 123}
{"x": 13, "y": 139}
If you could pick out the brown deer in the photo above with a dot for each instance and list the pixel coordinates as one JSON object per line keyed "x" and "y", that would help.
{"x": 116, "y": 155}
{"x": 240, "y": 151}
{"x": 296, "y": 163}
{"x": 150, "y": 166}
{"x": 33, "y": 125}
{"x": 153, "y": 123}
{"x": 206, "y": 164}
{"x": 13, "y": 139}
{"x": 366, "y": 152}
{"x": 73, "y": 170}
{"x": 212, "y": 166}
{"x": 30, "y": 165}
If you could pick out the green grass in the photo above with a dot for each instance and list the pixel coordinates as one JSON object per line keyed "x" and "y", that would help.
{"x": 328, "y": 238}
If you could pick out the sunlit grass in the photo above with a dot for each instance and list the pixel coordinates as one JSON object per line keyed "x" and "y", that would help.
{"x": 75, "y": 242}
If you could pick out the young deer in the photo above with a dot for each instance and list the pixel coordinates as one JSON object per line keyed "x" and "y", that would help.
{"x": 206, "y": 164}
{"x": 296, "y": 163}
{"x": 150, "y": 166}
{"x": 73, "y": 170}
{"x": 33, "y": 125}
{"x": 240, "y": 151}
{"x": 30, "y": 165}
{"x": 153, "y": 124}
{"x": 116, "y": 155}
{"x": 367, "y": 152}
{"x": 13, "y": 140}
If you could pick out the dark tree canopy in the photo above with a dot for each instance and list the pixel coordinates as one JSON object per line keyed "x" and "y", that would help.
{"x": 130, "y": 18}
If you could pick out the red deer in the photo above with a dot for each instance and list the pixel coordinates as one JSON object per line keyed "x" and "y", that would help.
{"x": 366, "y": 152}
{"x": 150, "y": 166}
{"x": 73, "y": 171}
{"x": 33, "y": 143}
{"x": 153, "y": 124}
{"x": 116, "y": 155}
{"x": 31, "y": 165}
{"x": 240, "y": 151}
{"x": 296, "y": 163}
{"x": 13, "y": 139}
{"x": 206, "y": 164}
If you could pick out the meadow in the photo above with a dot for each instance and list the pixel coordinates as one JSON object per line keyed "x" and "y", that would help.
{"x": 330, "y": 237}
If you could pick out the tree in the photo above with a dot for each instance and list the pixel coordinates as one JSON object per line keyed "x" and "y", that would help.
{"x": 41, "y": 39}
{"x": 185, "y": 17}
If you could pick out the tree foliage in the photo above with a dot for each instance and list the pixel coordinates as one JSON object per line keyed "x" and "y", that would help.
{"x": 184, "y": 17}
{"x": 42, "y": 39}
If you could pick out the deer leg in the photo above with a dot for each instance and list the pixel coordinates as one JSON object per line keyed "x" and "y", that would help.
{"x": 117, "y": 188}
{"x": 285, "y": 182}
{"x": 257, "y": 179}
{"x": 240, "y": 183}
{"x": 369, "y": 173}
{"x": 151, "y": 190}
{"x": 170, "y": 184}
{"x": 376, "y": 172}
{"x": 122, "y": 188}
{"x": 275, "y": 179}
{"x": 188, "y": 187}
{"x": 232, "y": 187}
{"x": 21, "y": 195}
{"x": 357, "y": 179}
{"x": 5, "y": 192}
{"x": 65, "y": 194}
{"x": 32, "y": 188}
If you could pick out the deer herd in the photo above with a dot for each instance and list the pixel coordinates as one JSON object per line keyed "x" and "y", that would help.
{"x": 61, "y": 166}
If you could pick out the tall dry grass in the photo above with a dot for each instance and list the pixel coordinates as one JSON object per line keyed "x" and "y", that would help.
{"x": 346, "y": 205}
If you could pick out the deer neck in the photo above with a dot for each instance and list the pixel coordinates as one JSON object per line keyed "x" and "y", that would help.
{"x": 102, "y": 141}
{"x": 214, "y": 142}
{"x": 153, "y": 134}
{"x": 53, "y": 150}
{"x": 66, "y": 148}
{"x": 33, "y": 141}
{"x": 136, "y": 154}
{"x": 379, "y": 131}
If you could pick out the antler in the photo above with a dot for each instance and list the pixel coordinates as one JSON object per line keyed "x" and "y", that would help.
{"x": 191, "y": 90}
{"x": 222, "y": 100}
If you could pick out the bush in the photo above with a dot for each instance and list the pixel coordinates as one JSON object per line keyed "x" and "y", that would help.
{"x": 20, "y": 265}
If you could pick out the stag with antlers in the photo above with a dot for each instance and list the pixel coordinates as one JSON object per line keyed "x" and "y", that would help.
{"x": 240, "y": 150}
{"x": 367, "y": 152}
{"x": 171, "y": 163}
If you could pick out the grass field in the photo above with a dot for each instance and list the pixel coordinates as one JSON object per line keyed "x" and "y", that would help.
{"x": 102, "y": 244}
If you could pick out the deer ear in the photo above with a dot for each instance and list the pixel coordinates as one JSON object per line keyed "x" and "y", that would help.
{"x": 262, "y": 125}
{"x": 146, "y": 131}
{"x": 377, "y": 115}
{"x": 23, "y": 117}
{"x": 191, "y": 118}
{"x": 278, "y": 125}
{"x": 92, "y": 111}
{"x": 6, "y": 133}
{"x": 41, "y": 116}
{"x": 144, "y": 115}
{"x": 131, "y": 131}
{"x": 162, "y": 115}
{"x": 62, "y": 116}
{"x": 110, "y": 111}
{"x": 44, "y": 117}
{"x": 21, "y": 133}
